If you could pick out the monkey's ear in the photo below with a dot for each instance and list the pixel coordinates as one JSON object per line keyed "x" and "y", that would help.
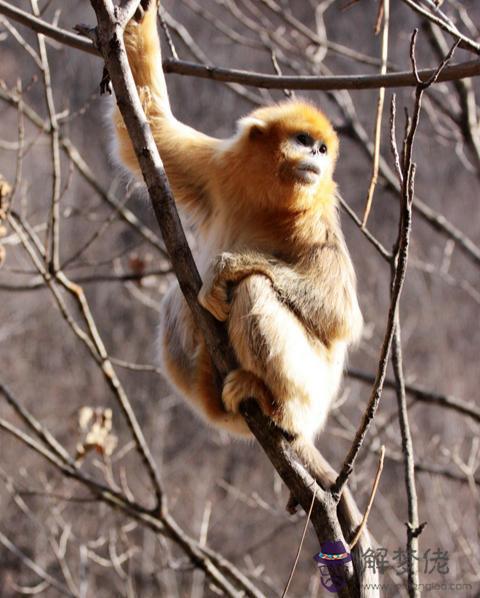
{"x": 255, "y": 126}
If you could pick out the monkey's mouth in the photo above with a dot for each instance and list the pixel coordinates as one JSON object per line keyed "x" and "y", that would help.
{"x": 308, "y": 172}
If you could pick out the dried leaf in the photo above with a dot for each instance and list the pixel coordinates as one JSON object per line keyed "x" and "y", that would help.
{"x": 96, "y": 425}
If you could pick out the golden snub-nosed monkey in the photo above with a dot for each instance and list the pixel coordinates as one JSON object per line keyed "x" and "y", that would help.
{"x": 271, "y": 254}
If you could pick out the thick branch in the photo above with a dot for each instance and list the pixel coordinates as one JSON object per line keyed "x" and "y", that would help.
{"x": 354, "y": 82}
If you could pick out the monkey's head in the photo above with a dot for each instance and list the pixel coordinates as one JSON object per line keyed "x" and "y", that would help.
{"x": 290, "y": 150}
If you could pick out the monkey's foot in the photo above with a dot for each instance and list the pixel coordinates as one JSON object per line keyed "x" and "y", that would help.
{"x": 292, "y": 505}
{"x": 240, "y": 385}
{"x": 213, "y": 297}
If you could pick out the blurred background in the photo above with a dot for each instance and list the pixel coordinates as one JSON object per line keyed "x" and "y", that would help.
{"x": 220, "y": 491}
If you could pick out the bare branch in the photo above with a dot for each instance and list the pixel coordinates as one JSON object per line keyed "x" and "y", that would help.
{"x": 9, "y": 545}
{"x": 60, "y": 35}
{"x": 400, "y": 264}
{"x": 464, "y": 42}
{"x": 212, "y": 563}
{"x": 413, "y": 527}
{"x": 352, "y": 82}
{"x": 424, "y": 395}
{"x": 385, "y": 5}
{"x": 266, "y": 81}
{"x": 53, "y": 231}
{"x": 373, "y": 492}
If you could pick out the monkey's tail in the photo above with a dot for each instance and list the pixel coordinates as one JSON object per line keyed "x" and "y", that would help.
{"x": 349, "y": 516}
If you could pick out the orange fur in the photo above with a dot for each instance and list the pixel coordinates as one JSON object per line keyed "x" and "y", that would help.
{"x": 272, "y": 257}
{"x": 248, "y": 196}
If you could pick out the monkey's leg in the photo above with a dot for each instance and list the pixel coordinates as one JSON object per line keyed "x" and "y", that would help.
{"x": 272, "y": 343}
{"x": 302, "y": 375}
{"x": 188, "y": 366}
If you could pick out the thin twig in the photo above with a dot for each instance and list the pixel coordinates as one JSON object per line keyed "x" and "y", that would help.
{"x": 299, "y": 549}
{"x": 9, "y": 545}
{"x": 52, "y": 240}
{"x": 413, "y": 527}
{"x": 20, "y": 40}
{"x": 373, "y": 492}
{"x": 378, "y": 120}
{"x": 168, "y": 37}
{"x": 400, "y": 263}
{"x": 85, "y": 171}
{"x": 464, "y": 42}
{"x": 38, "y": 285}
{"x": 214, "y": 564}
{"x": 40, "y": 26}
{"x": 94, "y": 343}
{"x": 423, "y": 395}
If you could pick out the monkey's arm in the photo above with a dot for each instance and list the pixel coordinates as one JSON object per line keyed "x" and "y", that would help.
{"x": 185, "y": 152}
{"x": 320, "y": 291}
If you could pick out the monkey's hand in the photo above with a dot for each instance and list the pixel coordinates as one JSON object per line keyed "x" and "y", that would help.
{"x": 213, "y": 295}
{"x": 143, "y": 7}
{"x": 226, "y": 270}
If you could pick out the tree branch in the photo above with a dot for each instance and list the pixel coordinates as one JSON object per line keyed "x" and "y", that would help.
{"x": 464, "y": 42}
{"x": 423, "y": 395}
{"x": 266, "y": 81}
{"x": 400, "y": 256}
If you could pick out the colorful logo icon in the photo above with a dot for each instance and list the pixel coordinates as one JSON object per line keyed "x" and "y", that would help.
{"x": 331, "y": 561}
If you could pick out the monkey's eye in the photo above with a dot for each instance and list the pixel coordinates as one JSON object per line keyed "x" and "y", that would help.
{"x": 322, "y": 149}
{"x": 305, "y": 139}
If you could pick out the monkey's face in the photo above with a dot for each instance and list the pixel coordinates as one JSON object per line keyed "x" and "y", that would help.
{"x": 282, "y": 155}
{"x": 305, "y": 158}
{"x": 295, "y": 145}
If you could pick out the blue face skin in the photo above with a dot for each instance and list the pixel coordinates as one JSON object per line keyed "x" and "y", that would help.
{"x": 315, "y": 154}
